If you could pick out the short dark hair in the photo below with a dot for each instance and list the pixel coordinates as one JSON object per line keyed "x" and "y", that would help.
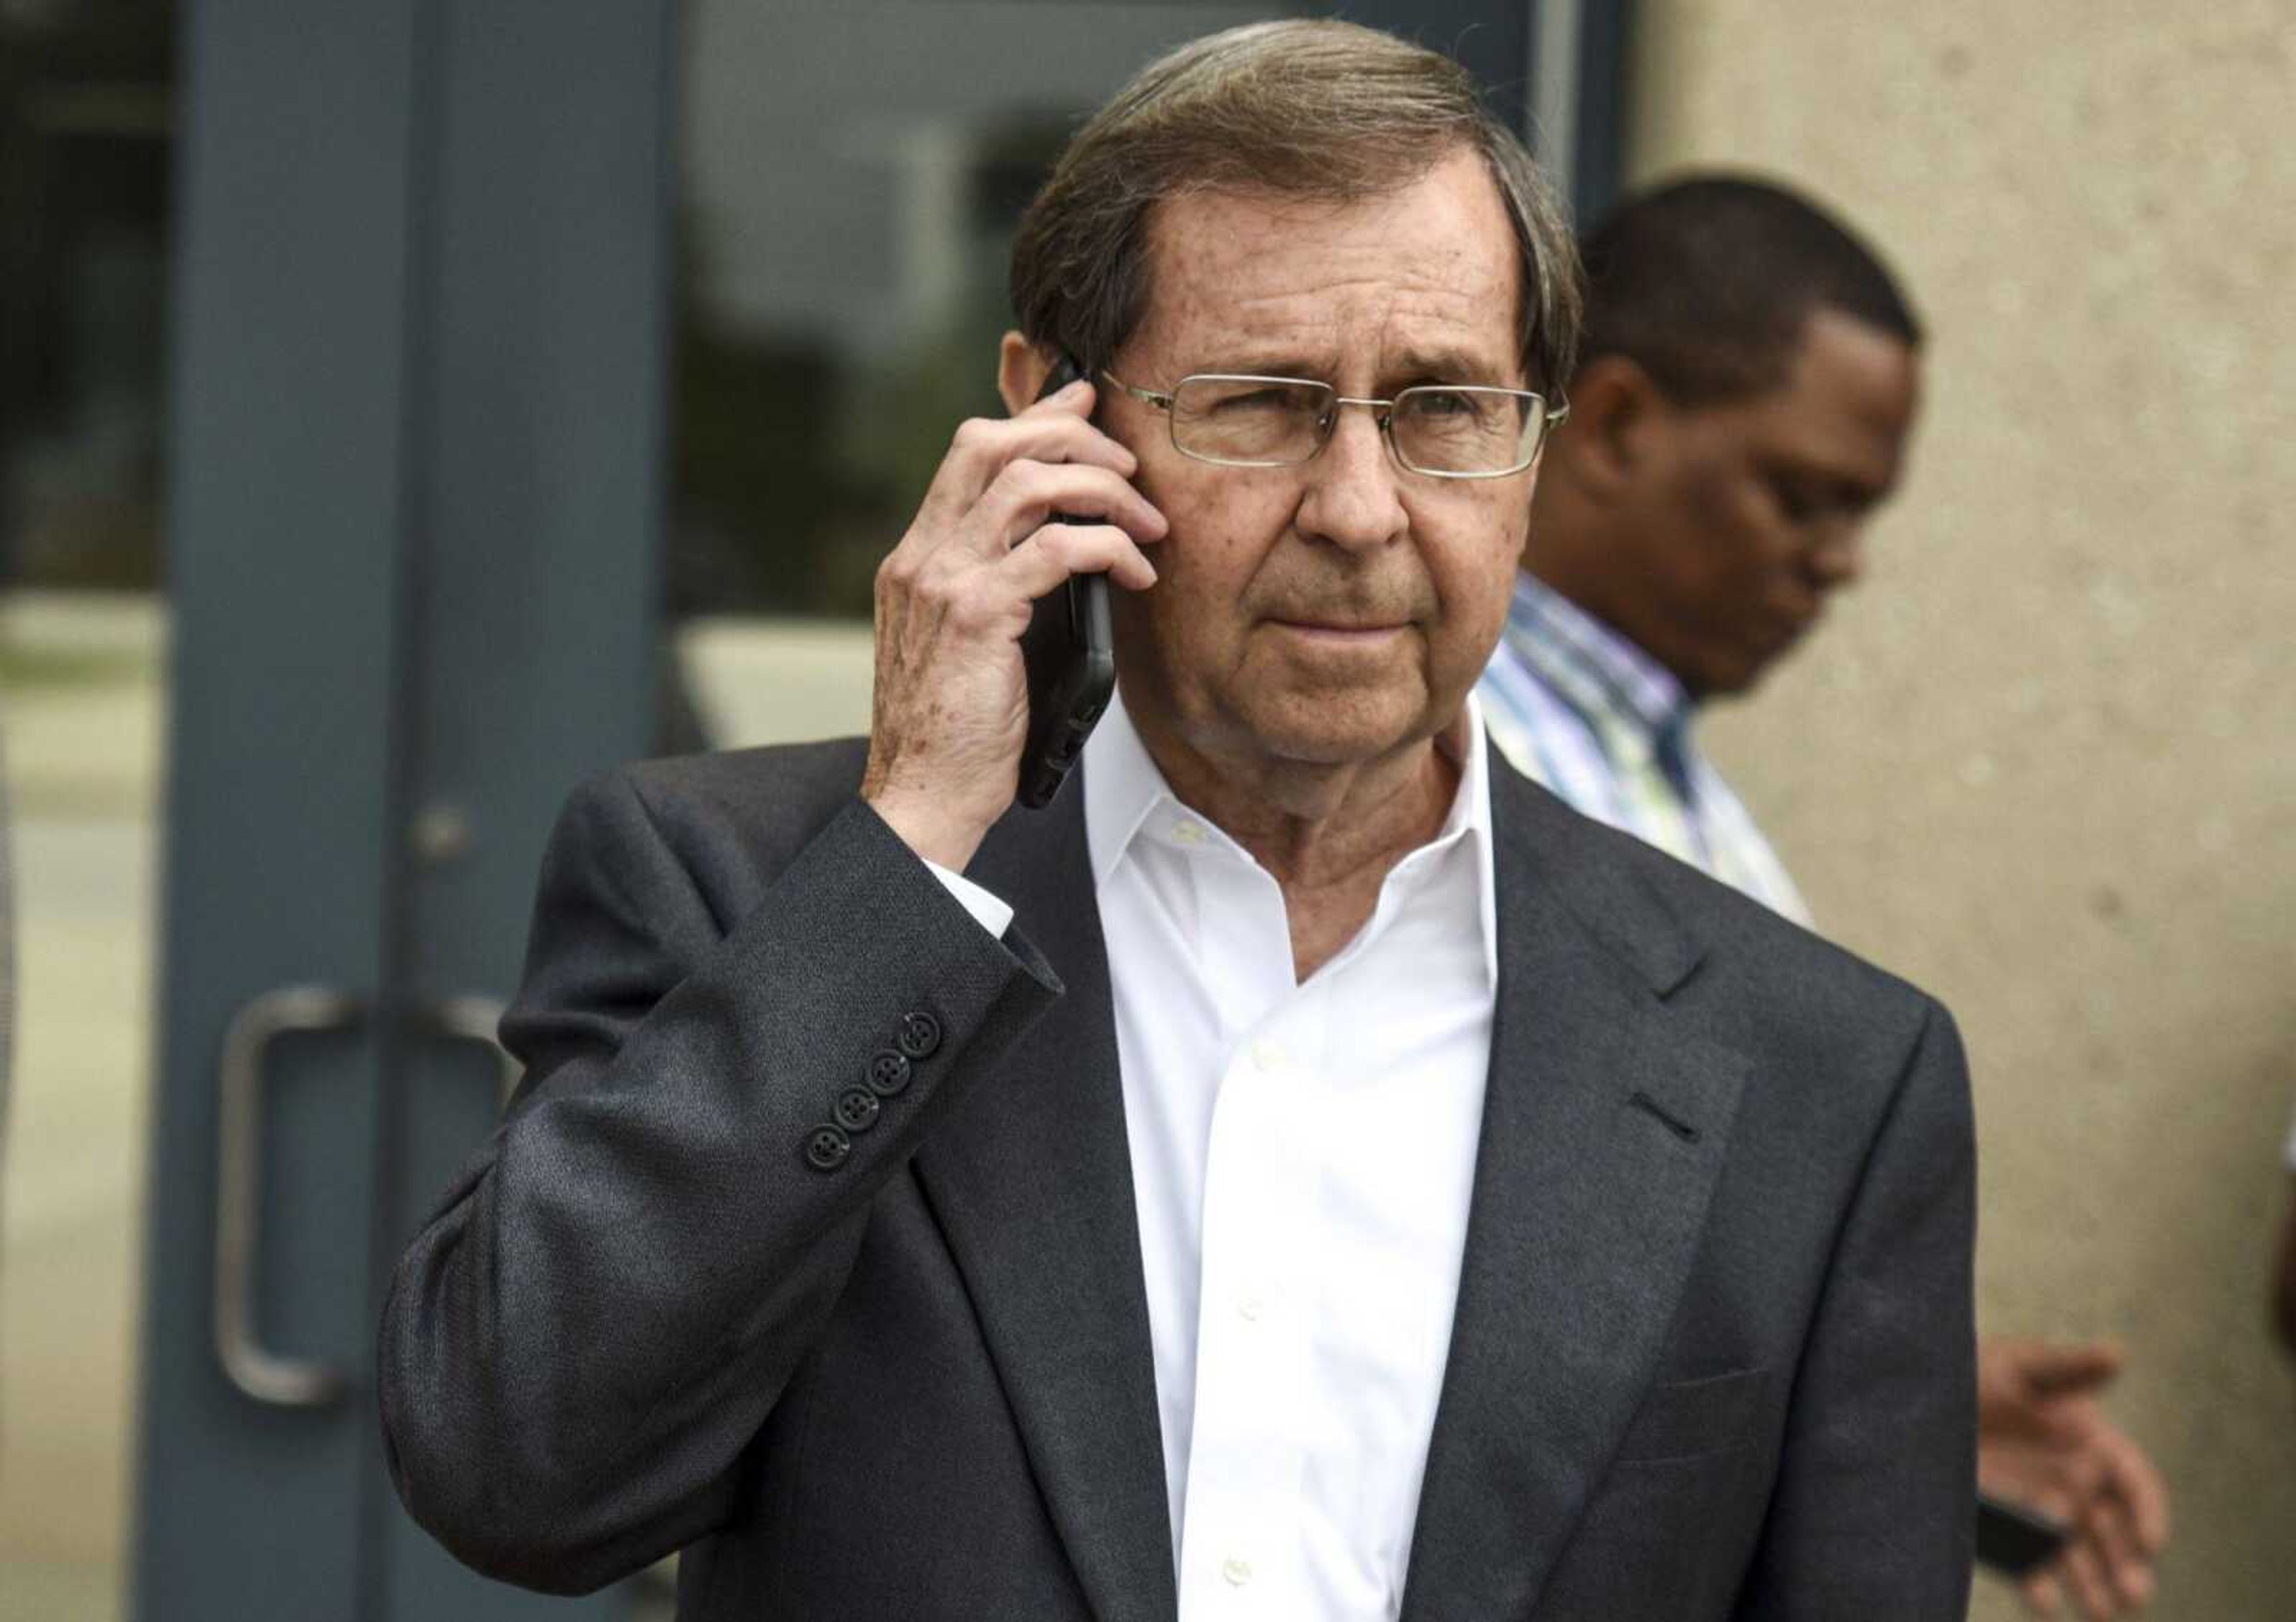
{"x": 1706, "y": 284}
{"x": 1302, "y": 108}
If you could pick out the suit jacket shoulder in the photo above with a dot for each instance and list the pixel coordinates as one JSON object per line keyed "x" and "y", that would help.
{"x": 1771, "y": 985}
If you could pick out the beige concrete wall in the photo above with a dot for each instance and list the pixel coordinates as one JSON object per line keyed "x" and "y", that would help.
{"x": 2044, "y": 760}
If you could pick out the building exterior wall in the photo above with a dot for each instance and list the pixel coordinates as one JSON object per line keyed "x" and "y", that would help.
{"x": 2043, "y": 761}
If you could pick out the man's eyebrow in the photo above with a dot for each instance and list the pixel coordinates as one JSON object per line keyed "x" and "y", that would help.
{"x": 1442, "y": 363}
{"x": 1833, "y": 481}
{"x": 1243, "y": 362}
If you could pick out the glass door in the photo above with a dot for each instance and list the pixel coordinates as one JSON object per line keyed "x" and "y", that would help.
{"x": 850, "y": 179}
{"x": 415, "y": 471}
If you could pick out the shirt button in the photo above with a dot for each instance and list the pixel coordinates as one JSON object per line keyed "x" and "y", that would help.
{"x": 1237, "y": 1571}
{"x": 1187, "y": 833}
{"x": 1267, "y": 1054}
{"x": 1251, "y": 1307}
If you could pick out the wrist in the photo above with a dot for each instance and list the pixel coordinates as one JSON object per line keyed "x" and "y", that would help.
{"x": 927, "y": 827}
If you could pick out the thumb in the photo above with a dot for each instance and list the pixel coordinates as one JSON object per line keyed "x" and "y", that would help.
{"x": 1077, "y": 397}
{"x": 2067, "y": 1370}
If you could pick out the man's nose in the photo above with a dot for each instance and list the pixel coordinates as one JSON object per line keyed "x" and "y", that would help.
{"x": 1352, "y": 498}
{"x": 1839, "y": 558}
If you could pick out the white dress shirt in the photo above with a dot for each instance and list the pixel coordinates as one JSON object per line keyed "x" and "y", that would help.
{"x": 1302, "y": 1158}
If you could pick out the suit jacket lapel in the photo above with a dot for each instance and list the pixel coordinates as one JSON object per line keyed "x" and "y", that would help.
{"x": 1602, "y": 1131}
{"x": 1031, "y": 1178}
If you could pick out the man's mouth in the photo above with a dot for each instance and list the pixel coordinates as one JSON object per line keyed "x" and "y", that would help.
{"x": 1340, "y": 631}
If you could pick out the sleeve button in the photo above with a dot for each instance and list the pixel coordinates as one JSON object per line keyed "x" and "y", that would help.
{"x": 826, "y": 1147}
{"x": 888, "y": 1074}
{"x": 857, "y": 1109}
{"x": 920, "y": 1036}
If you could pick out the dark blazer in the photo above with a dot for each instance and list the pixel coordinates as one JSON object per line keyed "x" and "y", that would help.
{"x": 1713, "y": 1351}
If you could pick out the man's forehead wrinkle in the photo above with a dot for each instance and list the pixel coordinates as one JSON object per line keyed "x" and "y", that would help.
{"x": 1242, "y": 280}
{"x": 1398, "y": 312}
{"x": 1263, "y": 269}
{"x": 1319, "y": 342}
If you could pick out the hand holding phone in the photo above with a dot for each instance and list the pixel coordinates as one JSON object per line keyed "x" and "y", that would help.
{"x": 993, "y": 657}
{"x": 2014, "y": 1540}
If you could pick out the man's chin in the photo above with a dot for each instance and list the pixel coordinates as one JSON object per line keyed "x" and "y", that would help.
{"x": 1326, "y": 728}
{"x": 1739, "y": 675}
{"x": 1737, "y": 682}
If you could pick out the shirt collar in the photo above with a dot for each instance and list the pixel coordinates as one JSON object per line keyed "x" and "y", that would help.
{"x": 1591, "y": 664}
{"x": 1125, "y": 794}
{"x": 1470, "y": 815}
{"x": 1121, "y": 787}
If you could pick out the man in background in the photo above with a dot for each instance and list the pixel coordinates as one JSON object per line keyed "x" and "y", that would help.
{"x": 1748, "y": 380}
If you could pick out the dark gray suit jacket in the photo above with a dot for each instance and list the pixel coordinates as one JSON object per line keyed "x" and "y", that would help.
{"x": 1713, "y": 1350}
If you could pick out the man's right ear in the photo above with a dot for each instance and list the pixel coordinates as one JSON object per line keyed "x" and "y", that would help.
{"x": 1615, "y": 410}
{"x": 1022, "y": 368}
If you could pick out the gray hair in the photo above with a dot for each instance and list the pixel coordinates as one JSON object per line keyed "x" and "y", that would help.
{"x": 1310, "y": 109}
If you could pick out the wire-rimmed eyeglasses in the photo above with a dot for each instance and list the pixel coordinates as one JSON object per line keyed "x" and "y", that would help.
{"x": 1446, "y": 431}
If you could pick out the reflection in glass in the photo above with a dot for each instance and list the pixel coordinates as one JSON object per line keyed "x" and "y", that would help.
{"x": 851, "y": 179}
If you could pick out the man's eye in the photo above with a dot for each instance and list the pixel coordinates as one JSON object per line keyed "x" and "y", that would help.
{"x": 1794, "y": 502}
{"x": 1256, "y": 399}
{"x": 1445, "y": 402}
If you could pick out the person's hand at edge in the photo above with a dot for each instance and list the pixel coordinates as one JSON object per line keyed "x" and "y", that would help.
{"x": 2044, "y": 1443}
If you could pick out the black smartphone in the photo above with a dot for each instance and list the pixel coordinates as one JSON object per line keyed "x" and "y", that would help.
{"x": 2012, "y": 1539}
{"x": 1071, "y": 654}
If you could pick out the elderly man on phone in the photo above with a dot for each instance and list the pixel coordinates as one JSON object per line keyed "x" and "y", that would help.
{"x": 1305, "y": 1171}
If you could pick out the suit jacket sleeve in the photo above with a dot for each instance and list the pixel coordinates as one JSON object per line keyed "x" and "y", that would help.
{"x": 1874, "y": 1514}
{"x": 580, "y": 1344}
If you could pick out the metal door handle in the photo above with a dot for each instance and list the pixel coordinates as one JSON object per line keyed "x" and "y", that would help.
{"x": 260, "y": 1373}
{"x": 474, "y": 1019}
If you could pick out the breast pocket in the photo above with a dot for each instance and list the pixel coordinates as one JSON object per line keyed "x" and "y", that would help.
{"x": 1671, "y": 1526}
{"x": 1685, "y": 1418}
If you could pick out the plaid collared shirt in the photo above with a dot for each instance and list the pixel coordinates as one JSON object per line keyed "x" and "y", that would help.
{"x": 1579, "y": 709}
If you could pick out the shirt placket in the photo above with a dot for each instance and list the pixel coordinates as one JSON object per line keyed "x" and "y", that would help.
{"x": 1239, "y": 1536}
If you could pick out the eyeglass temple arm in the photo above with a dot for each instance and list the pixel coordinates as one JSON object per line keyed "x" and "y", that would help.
{"x": 1146, "y": 397}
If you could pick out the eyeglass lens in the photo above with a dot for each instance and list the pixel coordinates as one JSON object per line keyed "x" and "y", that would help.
{"x": 1276, "y": 422}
